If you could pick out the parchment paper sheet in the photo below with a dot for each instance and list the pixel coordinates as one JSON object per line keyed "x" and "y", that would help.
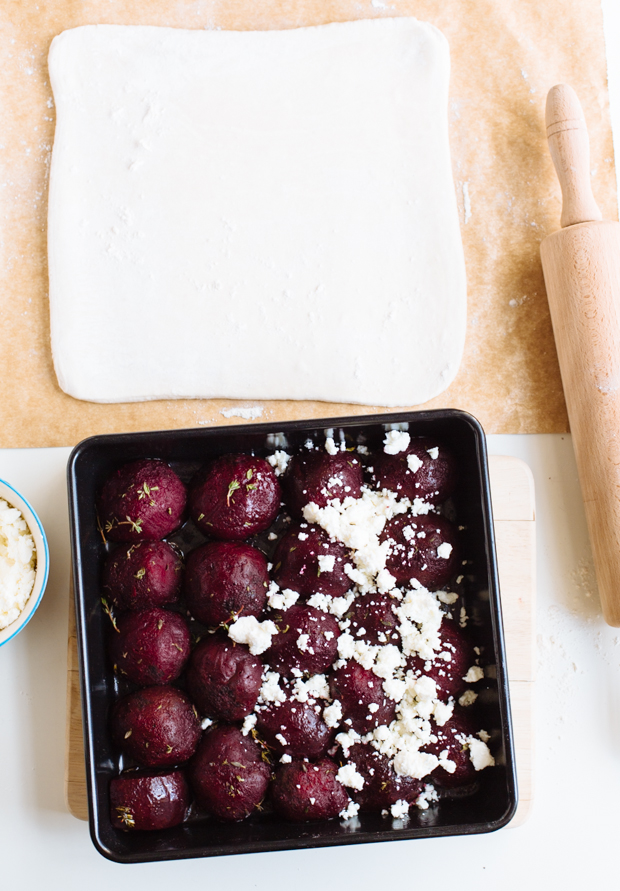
{"x": 506, "y": 54}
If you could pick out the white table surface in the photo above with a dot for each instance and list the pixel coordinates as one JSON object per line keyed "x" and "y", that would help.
{"x": 571, "y": 837}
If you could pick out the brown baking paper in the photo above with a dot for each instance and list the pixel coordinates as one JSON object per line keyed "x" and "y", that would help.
{"x": 505, "y": 57}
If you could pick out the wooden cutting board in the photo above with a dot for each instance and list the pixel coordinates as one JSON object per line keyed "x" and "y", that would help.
{"x": 512, "y": 490}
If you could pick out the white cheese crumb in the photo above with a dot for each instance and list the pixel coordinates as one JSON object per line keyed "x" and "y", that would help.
{"x": 444, "y": 550}
{"x": 350, "y": 811}
{"x": 279, "y": 461}
{"x": 281, "y": 599}
{"x": 468, "y": 698}
{"x": 362, "y": 450}
{"x": 332, "y": 714}
{"x": 447, "y": 597}
{"x": 434, "y": 453}
{"x": 281, "y": 739}
{"x": 302, "y": 536}
{"x": 424, "y": 798}
{"x": 206, "y": 722}
{"x": 270, "y": 690}
{"x": 414, "y": 463}
{"x": 302, "y": 643}
{"x": 479, "y": 753}
{"x": 17, "y": 563}
{"x": 285, "y": 759}
{"x": 330, "y": 446}
{"x": 326, "y": 562}
{"x": 396, "y": 441}
{"x": 348, "y": 776}
{"x": 474, "y": 675}
{"x": 400, "y": 809}
{"x": 248, "y": 724}
{"x": 257, "y": 635}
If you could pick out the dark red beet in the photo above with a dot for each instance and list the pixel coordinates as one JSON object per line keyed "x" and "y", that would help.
{"x": 158, "y": 726}
{"x": 303, "y": 791}
{"x": 375, "y": 615}
{"x": 142, "y": 501}
{"x": 149, "y": 800}
{"x": 433, "y": 482}
{"x": 140, "y": 576}
{"x": 357, "y": 688}
{"x": 307, "y": 641}
{"x": 309, "y": 474}
{"x": 450, "y": 738}
{"x": 296, "y": 562}
{"x": 413, "y": 549}
{"x": 303, "y": 730}
{"x": 382, "y": 786}
{"x": 224, "y": 679}
{"x": 150, "y": 646}
{"x": 234, "y": 497}
{"x": 228, "y": 774}
{"x": 224, "y": 579}
{"x": 448, "y": 675}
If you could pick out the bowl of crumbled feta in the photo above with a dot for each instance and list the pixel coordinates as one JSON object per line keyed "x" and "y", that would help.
{"x": 24, "y": 562}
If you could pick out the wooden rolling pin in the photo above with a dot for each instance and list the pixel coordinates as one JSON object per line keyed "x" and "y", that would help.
{"x": 581, "y": 264}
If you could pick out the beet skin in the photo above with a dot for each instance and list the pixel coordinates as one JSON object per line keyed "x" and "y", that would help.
{"x": 140, "y": 576}
{"x": 150, "y": 646}
{"x": 307, "y": 640}
{"x": 302, "y": 791}
{"x": 149, "y": 800}
{"x": 319, "y": 478}
{"x": 142, "y": 501}
{"x": 224, "y": 679}
{"x": 224, "y": 579}
{"x": 296, "y": 562}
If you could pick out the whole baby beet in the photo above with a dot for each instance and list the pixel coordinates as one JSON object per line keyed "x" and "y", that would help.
{"x": 448, "y": 673}
{"x": 451, "y": 738}
{"x": 433, "y": 480}
{"x": 149, "y": 800}
{"x": 307, "y": 641}
{"x": 224, "y": 579}
{"x": 143, "y": 575}
{"x": 294, "y": 728}
{"x": 228, "y": 774}
{"x": 224, "y": 679}
{"x": 319, "y": 478}
{"x": 142, "y": 501}
{"x": 234, "y": 497}
{"x": 296, "y": 562}
{"x": 424, "y": 547}
{"x": 150, "y": 646}
{"x": 382, "y": 785}
{"x": 302, "y": 791}
{"x": 361, "y": 696}
{"x": 158, "y": 726}
{"x": 373, "y": 617}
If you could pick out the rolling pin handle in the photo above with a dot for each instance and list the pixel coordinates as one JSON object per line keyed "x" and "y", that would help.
{"x": 570, "y": 150}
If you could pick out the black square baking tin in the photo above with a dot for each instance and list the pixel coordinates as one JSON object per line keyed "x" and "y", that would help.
{"x": 494, "y": 802}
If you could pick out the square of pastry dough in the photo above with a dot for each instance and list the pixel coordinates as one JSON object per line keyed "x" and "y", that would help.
{"x": 265, "y": 215}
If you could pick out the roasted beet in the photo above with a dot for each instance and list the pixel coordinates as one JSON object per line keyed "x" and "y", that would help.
{"x": 140, "y": 576}
{"x": 296, "y": 563}
{"x": 318, "y": 477}
{"x": 149, "y": 799}
{"x": 425, "y": 548}
{"x": 150, "y": 646}
{"x": 373, "y": 619}
{"x": 302, "y": 791}
{"x": 224, "y": 679}
{"x": 307, "y": 640}
{"x": 228, "y": 774}
{"x": 142, "y": 501}
{"x": 424, "y": 470}
{"x": 224, "y": 579}
{"x": 452, "y": 739}
{"x": 294, "y": 728}
{"x": 234, "y": 497}
{"x": 158, "y": 726}
{"x": 382, "y": 786}
{"x": 364, "y": 704}
{"x": 448, "y": 673}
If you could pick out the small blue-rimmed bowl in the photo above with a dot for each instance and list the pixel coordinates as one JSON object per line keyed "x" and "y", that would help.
{"x": 9, "y": 494}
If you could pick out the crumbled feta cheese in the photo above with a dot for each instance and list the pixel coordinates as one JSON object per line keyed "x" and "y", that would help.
{"x": 330, "y": 446}
{"x": 279, "y": 461}
{"x": 444, "y": 550}
{"x": 326, "y": 562}
{"x": 303, "y": 643}
{"x": 350, "y": 811}
{"x": 474, "y": 675}
{"x": 332, "y": 714}
{"x": 281, "y": 739}
{"x": 248, "y": 724}
{"x": 468, "y": 698}
{"x": 206, "y": 722}
{"x": 281, "y": 599}
{"x": 400, "y": 809}
{"x": 362, "y": 450}
{"x": 414, "y": 463}
{"x": 285, "y": 759}
{"x": 270, "y": 690}
{"x": 434, "y": 453}
{"x": 479, "y": 753}
{"x": 348, "y": 776}
{"x": 17, "y": 563}
{"x": 302, "y": 536}
{"x": 447, "y": 597}
{"x": 316, "y": 687}
{"x": 396, "y": 441}
{"x": 424, "y": 798}
{"x": 347, "y": 740}
{"x": 257, "y": 635}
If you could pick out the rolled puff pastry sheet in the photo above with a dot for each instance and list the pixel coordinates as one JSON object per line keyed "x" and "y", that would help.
{"x": 266, "y": 215}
